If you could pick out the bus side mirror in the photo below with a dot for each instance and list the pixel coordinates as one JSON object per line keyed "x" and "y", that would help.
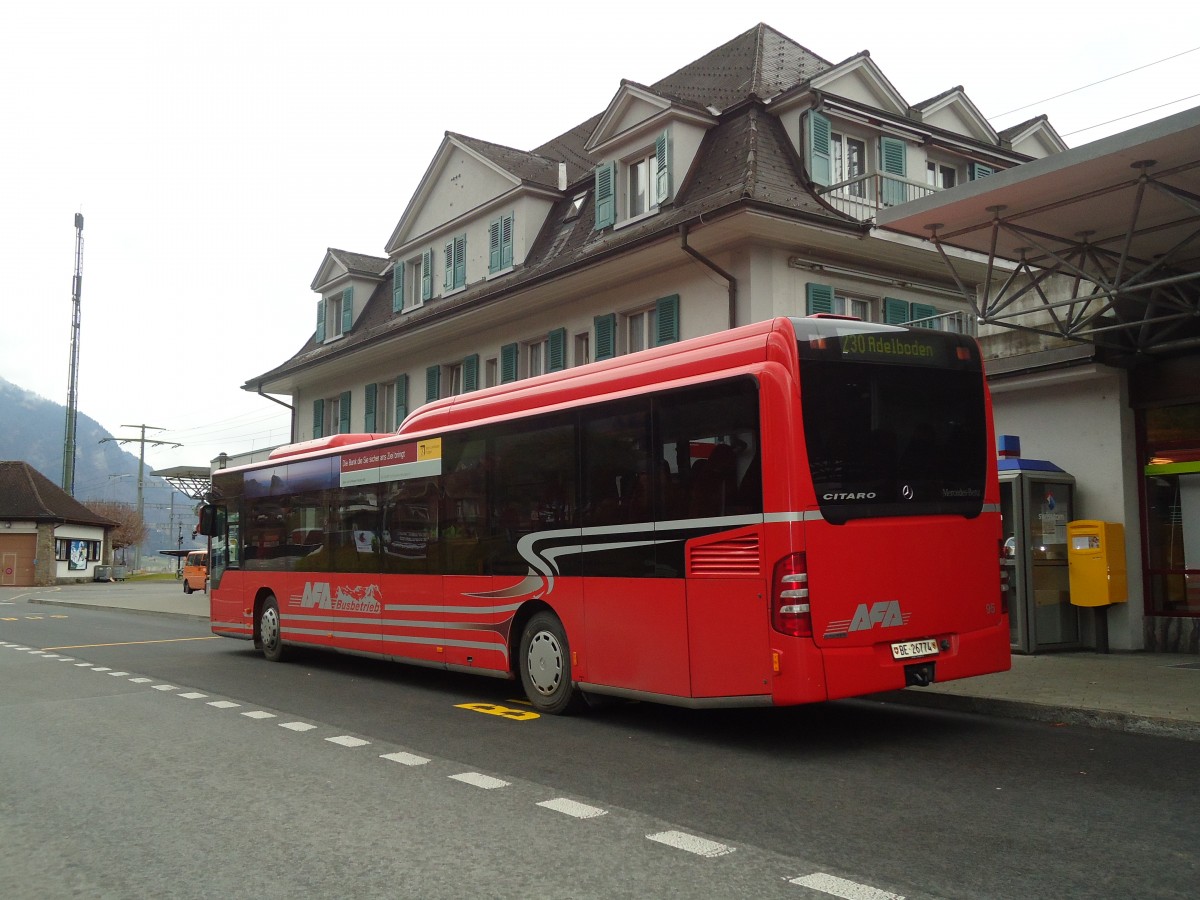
{"x": 208, "y": 521}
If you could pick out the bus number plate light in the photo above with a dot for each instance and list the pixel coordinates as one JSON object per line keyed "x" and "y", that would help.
{"x": 913, "y": 649}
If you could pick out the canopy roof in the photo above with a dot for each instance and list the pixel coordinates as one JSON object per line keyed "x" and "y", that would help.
{"x": 1120, "y": 216}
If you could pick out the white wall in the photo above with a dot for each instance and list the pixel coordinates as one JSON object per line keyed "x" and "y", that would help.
{"x": 1080, "y": 420}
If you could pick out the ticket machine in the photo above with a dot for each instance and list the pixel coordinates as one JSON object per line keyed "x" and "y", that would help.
{"x": 1037, "y": 500}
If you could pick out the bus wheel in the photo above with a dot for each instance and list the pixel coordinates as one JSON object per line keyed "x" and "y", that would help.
{"x": 545, "y": 663}
{"x": 270, "y": 632}
{"x": 187, "y": 586}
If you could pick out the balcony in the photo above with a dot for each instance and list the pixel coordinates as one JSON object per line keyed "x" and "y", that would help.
{"x": 863, "y": 196}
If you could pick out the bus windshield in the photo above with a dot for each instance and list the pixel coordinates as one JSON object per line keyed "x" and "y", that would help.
{"x": 894, "y": 420}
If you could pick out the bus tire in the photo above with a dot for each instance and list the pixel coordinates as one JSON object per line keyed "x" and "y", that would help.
{"x": 545, "y": 664}
{"x": 270, "y": 629}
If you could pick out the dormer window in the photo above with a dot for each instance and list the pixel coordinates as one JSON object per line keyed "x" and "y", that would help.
{"x": 335, "y": 315}
{"x": 635, "y": 186}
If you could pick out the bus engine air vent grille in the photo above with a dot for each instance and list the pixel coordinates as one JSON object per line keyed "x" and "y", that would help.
{"x": 737, "y": 557}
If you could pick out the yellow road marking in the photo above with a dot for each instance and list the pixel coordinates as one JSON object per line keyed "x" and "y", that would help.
{"x": 517, "y": 715}
{"x": 133, "y": 643}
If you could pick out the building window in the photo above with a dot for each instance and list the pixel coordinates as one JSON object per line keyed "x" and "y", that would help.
{"x": 640, "y": 185}
{"x": 535, "y": 357}
{"x": 453, "y": 379}
{"x": 491, "y": 372}
{"x": 639, "y": 330}
{"x": 940, "y": 176}
{"x": 76, "y": 552}
{"x": 500, "y": 244}
{"x": 455, "y": 255}
{"x": 418, "y": 280}
{"x": 385, "y": 416}
{"x": 583, "y": 353}
{"x": 847, "y": 305}
{"x": 849, "y": 162}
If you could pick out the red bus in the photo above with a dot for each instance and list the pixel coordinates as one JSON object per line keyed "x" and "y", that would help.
{"x": 793, "y": 511}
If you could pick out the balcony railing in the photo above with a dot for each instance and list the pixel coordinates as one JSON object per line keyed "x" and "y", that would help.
{"x": 863, "y": 196}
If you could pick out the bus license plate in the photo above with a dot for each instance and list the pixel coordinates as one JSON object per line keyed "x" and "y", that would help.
{"x": 913, "y": 649}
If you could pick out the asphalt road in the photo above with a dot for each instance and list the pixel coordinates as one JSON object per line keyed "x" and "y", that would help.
{"x": 207, "y": 779}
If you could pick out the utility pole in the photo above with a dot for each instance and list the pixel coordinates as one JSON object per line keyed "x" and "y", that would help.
{"x": 68, "y": 472}
{"x": 143, "y": 441}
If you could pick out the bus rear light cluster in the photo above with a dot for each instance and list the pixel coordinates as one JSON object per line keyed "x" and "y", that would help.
{"x": 790, "y": 610}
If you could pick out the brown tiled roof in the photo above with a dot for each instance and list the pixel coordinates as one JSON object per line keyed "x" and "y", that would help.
{"x": 360, "y": 263}
{"x": 25, "y": 493}
{"x": 746, "y": 158}
{"x": 529, "y": 167}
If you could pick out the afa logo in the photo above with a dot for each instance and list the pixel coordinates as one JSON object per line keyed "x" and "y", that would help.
{"x": 319, "y": 595}
{"x": 885, "y": 614}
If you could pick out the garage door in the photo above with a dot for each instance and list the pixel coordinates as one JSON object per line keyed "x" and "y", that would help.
{"x": 16, "y": 559}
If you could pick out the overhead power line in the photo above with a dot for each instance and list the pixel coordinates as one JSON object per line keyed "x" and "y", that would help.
{"x": 1130, "y": 115}
{"x": 1101, "y": 81}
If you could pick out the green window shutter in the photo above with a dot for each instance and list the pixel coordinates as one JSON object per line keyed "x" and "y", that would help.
{"x": 471, "y": 373}
{"x": 606, "y": 336}
{"x": 923, "y": 311}
{"x": 460, "y": 261}
{"x": 662, "y": 154}
{"x": 427, "y": 274}
{"x": 494, "y": 246}
{"x": 506, "y": 242}
{"x": 347, "y": 309}
{"x": 893, "y": 160}
{"x": 398, "y": 287}
{"x": 818, "y": 298}
{"x": 433, "y": 383}
{"x": 979, "y": 170}
{"x": 448, "y": 280}
{"x": 401, "y": 399}
{"x": 895, "y": 312}
{"x": 344, "y": 413}
{"x": 320, "y": 336}
{"x": 820, "y": 149}
{"x": 666, "y": 320}
{"x": 508, "y": 363}
{"x": 606, "y": 194}
{"x": 371, "y": 393}
{"x": 318, "y": 418}
{"x": 557, "y": 351}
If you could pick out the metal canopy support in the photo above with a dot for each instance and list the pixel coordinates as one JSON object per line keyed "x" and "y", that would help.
{"x": 1098, "y": 244}
{"x": 191, "y": 481}
{"x": 1116, "y": 299}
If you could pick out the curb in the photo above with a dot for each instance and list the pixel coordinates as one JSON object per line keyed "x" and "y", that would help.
{"x": 1130, "y": 723}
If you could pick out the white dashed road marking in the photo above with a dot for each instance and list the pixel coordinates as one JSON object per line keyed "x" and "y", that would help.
{"x": 259, "y": 714}
{"x": 345, "y": 740}
{"x": 840, "y": 887}
{"x": 572, "y": 808}
{"x": 297, "y": 726}
{"x": 487, "y": 782}
{"x": 165, "y": 687}
{"x": 224, "y": 704}
{"x": 692, "y": 844}
{"x": 405, "y": 759}
{"x": 192, "y": 695}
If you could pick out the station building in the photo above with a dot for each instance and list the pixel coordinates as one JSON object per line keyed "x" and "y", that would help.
{"x": 762, "y": 180}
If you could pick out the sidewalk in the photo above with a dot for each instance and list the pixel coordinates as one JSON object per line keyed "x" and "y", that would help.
{"x": 1144, "y": 693}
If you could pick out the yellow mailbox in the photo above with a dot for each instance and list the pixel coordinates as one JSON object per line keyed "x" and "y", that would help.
{"x": 1096, "y": 558}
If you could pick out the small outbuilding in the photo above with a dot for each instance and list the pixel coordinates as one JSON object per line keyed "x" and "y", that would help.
{"x": 46, "y": 535}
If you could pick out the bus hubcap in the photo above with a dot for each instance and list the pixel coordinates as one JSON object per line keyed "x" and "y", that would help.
{"x": 545, "y": 662}
{"x": 269, "y": 628}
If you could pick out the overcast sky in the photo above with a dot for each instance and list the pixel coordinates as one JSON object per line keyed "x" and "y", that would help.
{"x": 216, "y": 150}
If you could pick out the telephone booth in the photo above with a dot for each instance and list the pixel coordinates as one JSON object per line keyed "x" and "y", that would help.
{"x": 1037, "y": 500}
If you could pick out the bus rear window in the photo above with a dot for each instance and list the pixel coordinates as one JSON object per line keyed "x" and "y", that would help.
{"x": 898, "y": 432}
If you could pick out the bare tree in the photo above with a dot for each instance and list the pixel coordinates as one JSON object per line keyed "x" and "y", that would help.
{"x": 131, "y": 528}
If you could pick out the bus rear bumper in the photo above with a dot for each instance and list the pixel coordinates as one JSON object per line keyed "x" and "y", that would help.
{"x": 854, "y": 671}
